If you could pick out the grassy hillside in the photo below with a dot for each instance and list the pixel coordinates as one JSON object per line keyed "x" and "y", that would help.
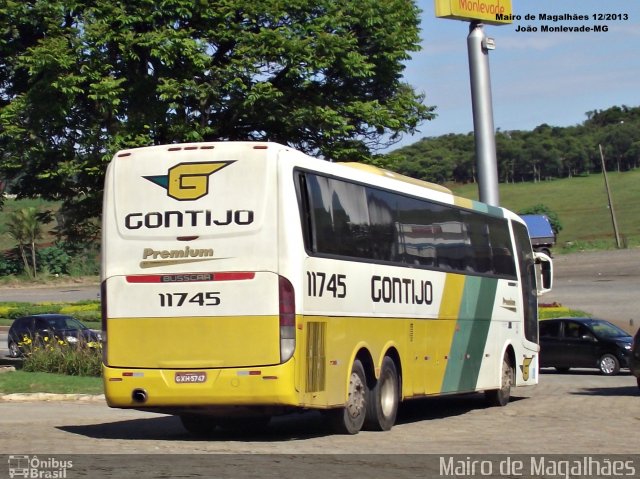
{"x": 581, "y": 205}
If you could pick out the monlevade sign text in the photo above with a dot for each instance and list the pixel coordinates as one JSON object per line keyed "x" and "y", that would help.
{"x": 494, "y": 12}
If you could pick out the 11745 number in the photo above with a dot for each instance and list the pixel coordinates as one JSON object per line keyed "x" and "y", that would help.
{"x": 209, "y": 298}
{"x": 321, "y": 284}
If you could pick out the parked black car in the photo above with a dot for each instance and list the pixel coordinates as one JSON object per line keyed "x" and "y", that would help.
{"x": 584, "y": 343}
{"x": 40, "y": 328}
{"x": 634, "y": 357}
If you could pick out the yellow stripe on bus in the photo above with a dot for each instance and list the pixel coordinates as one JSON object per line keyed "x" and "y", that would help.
{"x": 440, "y": 333}
{"x": 463, "y": 202}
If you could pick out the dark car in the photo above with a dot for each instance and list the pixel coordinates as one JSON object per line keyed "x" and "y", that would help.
{"x": 583, "y": 343}
{"x": 634, "y": 357}
{"x": 40, "y": 328}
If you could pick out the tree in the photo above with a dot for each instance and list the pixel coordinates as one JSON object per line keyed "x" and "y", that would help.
{"x": 544, "y": 153}
{"x": 81, "y": 79}
{"x": 25, "y": 228}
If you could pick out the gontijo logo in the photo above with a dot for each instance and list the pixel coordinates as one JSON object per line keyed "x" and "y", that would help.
{"x": 188, "y": 181}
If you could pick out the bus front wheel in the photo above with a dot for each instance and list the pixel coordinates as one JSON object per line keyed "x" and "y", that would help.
{"x": 382, "y": 406}
{"x": 350, "y": 418}
{"x": 501, "y": 396}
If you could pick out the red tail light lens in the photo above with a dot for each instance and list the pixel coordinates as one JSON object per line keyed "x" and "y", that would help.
{"x": 287, "y": 302}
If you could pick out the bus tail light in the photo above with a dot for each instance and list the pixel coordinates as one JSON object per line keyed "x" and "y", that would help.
{"x": 287, "y": 319}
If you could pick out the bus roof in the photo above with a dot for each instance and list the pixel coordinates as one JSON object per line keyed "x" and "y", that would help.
{"x": 397, "y": 176}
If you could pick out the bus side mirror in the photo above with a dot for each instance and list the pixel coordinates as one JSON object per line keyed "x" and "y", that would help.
{"x": 544, "y": 273}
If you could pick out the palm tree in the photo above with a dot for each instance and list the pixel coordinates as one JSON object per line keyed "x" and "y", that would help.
{"x": 25, "y": 228}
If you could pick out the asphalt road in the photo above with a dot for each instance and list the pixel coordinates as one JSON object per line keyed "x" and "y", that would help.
{"x": 67, "y": 293}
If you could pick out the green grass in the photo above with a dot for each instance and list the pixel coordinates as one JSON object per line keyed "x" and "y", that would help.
{"x": 24, "y": 382}
{"x": 581, "y": 205}
{"x": 559, "y": 311}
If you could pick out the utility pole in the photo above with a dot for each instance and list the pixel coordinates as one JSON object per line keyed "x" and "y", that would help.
{"x": 609, "y": 199}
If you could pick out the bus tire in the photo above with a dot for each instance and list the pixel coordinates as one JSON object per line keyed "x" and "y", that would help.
{"x": 384, "y": 398}
{"x": 198, "y": 425}
{"x": 350, "y": 418}
{"x": 500, "y": 397}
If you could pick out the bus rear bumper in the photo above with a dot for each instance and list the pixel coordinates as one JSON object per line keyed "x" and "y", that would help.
{"x": 169, "y": 388}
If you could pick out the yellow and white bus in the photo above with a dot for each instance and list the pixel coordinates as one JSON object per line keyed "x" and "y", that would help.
{"x": 242, "y": 280}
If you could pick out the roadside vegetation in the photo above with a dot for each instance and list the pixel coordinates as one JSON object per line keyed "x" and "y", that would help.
{"x": 556, "y": 310}
{"x": 59, "y": 357}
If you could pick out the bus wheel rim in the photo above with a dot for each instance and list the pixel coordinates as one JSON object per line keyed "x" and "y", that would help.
{"x": 387, "y": 397}
{"x": 356, "y": 396}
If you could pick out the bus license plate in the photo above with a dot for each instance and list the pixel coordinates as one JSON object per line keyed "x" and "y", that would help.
{"x": 191, "y": 377}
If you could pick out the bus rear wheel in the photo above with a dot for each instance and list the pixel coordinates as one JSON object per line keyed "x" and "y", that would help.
{"x": 501, "y": 396}
{"x": 384, "y": 398}
{"x": 350, "y": 418}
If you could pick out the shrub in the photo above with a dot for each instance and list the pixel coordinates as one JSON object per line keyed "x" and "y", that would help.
{"x": 54, "y": 259}
{"x": 550, "y": 311}
{"x": 80, "y": 307}
{"x": 88, "y": 316}
{"x": 83, "y": 310}
{"x": 10, "y": 264}
{"x": 58, "y": 357}
{"x": 30, "y": 309}
{"x": 84, "y": 266}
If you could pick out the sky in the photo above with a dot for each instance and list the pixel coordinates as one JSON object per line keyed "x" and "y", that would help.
{"x": 536, "y": 77}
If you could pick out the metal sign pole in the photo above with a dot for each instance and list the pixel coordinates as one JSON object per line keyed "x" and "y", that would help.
{"x": 478, "y": 46}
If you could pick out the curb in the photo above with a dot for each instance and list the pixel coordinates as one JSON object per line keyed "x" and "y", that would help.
{"x": 26, "y": 397}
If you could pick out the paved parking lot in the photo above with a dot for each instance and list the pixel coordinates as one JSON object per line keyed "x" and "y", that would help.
{"x": 580, "y": 412}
